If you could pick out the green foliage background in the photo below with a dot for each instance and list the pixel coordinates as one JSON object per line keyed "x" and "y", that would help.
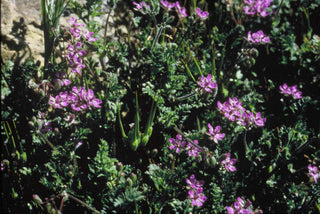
{"x": 147, "y": 79}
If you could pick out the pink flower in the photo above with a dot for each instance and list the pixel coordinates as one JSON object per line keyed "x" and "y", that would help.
{"x": 141, "y": 6}
{"x": 181, "y": 10}
{"x": 193, "y": 150}
{"x": 193, "y": 183}
{"x": 79, "y": 99}
{"x": 207, "y": 83}
{"x": 202, "y": 14}
{"x": 258, "y": 37}
{"x": 195, "y": 192}
{"x": 88, "y": 35}
{"x": 197, "y": 197}
{"x": 234, "y": 111}
{"x": 241, "y": 207}
{"x": 74, "y": 23}
{"x": 215, "y": 134}
{"x": 259, "y": 7}
{"x": 177, "y": 144}
{"x": 314, "y": 172}
{"x": 228, "y": 163}
{"x": 286, "y": 90}
{"x": 167, "y": 4}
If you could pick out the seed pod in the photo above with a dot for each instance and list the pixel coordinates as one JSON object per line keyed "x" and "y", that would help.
{"x": 254, "y": 52}
{"x": 119, "y": 166}
{"x": 129, "y": 181}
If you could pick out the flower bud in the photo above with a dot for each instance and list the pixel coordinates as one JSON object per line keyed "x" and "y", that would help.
{"x": 154, "y": 152}
{"x": 37, "y": 199}
{"x": 119, "y": 166}
{"x": 134, "y": 177}
{"x": 129, "y": 181}
{"x": 254, "y": 52}
{"x": 170, "y": 156}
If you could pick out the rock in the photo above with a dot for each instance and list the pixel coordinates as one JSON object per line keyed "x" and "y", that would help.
{"x": 21, "y": 34}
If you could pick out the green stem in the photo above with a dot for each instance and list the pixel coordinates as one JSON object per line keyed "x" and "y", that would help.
{"x": 188, "y": 139}
{"x": 120, "y": 122}
{"x": 186, "y": 96}
{"x": 47, "y": 141}
{"x": 188, "y": 70}
{"x": 159, "y": 32}
{"x": 82, "y": 203}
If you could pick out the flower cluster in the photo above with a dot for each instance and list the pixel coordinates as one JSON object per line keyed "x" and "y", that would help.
{"x": 258, "y": 7}
{"x": 75, "y": 53}
{"x": 202, "y": 14}
{"x": 180, "y": 10}
{"x": 228, "y": 163}
{"x": 74, "y": 29}
{"x": 215, "y": 134}
{"x": 314, "y": 172}
{"x": 140, "y": 7}
{"x": 75, "y": 57}
{"x": 167, "y": 4}
{"x": 258, "y": 37}
{"x": 233, "y": 110}
{"x": 207, "y": 83}
{"x": 286, "y": 90}
{"x": 79, "y": 99}
{"x": 61, "y": 81}
{"x": 195, "y": 191}
{"x": 177, "y": 144}
{"x": 240, "y": 207}
{"x": 193, "y": 150}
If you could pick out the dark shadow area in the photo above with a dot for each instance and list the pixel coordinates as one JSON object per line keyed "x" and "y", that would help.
{"x": 18, "y": 43}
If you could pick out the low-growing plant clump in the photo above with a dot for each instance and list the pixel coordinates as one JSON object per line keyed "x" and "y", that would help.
{"x": 190, "y": 107}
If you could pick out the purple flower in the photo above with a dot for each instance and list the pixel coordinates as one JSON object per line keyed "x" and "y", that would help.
{"x": 45, "y": 126}
{"x": 74, "y": 27}
{"x": 60, "y": 100}
{"x": 88, "y": 35}
{"x": 167, "y": 4}
{"x": 195, "y": 192}
{"x": 215, "y": 134}
{"x": 233, "y": 110}
{"x": 314, "y": 172}
{"x": 141, "y": 6}
{"x": 74, "y": 23}
{"x": 258, "y": 37}
{"x": 259, "y": 7}
{"x": 228, "y": 163}
{"x": 177, "y": 144}
{"x": 193, "y": 150}
{"x": 197, "y": 197}
{"x": 293, "y": 90}
{"x": 61, "y": 80}
{"x": 181, "y": 10}
{"x": 193, "y": 183}
{"x": 75, "y": 57}
{"x": 241, "y": 207}
{"x": 79, "y": 99}
{"x": 79, "y": 144}
{"x": 207, "y": 83}
{"x": 202, "y": 14}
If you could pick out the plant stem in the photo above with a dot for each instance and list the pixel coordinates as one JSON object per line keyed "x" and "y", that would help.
{"x": 83, "y": 203}
{"x": 245, "y": 142}
{"x": 47, "y": 141}
{"x": 189, "y": 140}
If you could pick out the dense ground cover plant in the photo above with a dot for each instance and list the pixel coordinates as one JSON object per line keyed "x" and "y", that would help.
{"x": 194, "y": 106}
